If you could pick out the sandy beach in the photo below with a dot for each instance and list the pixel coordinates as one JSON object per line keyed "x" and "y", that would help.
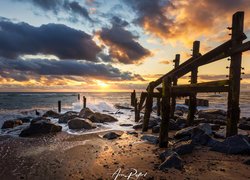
{"x": 64, "y": 156}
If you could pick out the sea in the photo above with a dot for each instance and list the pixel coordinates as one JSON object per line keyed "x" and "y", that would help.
{"x": 14, "y": 105}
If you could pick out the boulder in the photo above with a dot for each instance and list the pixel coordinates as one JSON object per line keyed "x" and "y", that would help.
{"x": 153, "y": 122}
{"x": 173, "y": 125}
{"x": 102, "y": 118}
{"x": 237, "y": 144}
{"x": 164, "y": 155}
{"x": 184, "y": 148}
{"x": 244, "y": 125}
{"x": 111, "y": 135}
{"x": 151, "y": 139}
{"x": 67, "y": 116}
{"x": 85, "y": 113}
{"x": 186, "y": 132}
{"x": 138, "y": 126}
{"x": 35, "y": 120}
{"x": 178, "y": 113}
{"x": 181, "y": 122}
{"x": 156, "y": 129}
{"x": 172, "y": 161}
{"x": 212, "y": 114}
{"x": 126, "y": 125}
{"x": 40, "y": 127}
{"x": 25, "y": 119}
{"x": 184, "y": 109}
{"x": 11, "y": 123}
{"x": 80, "y": 123}
{"x": 52, "y": 114}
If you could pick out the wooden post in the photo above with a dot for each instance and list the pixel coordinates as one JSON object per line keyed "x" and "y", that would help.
{"x": 78, "y": 97}
{"x": 158, "y": 106}
{"x": 233, "y": 111}
{"x": 133, "y": 96}
{"x": 165, "y": 112}
{"x": 194, "y": 74}
{"x": 148, "y": 106}
{"x": 59, "y": 106}
{"x": 84, "y": 101}
{"x": 175, "y": 80}
{"x": 137, "y": 112}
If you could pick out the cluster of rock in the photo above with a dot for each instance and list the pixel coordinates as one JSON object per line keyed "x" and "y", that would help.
{"x": 86, "y": 119}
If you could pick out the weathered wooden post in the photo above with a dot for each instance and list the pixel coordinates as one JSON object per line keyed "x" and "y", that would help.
{"x": 175, "y": 80}
{"x": 148, "y": 106}
{"x": 194, "y": 74}
{"x": 137, "y": 112}
{"x": 84, "y": 101}
{"x": 133, "y": 96}
{"x": 165, "y": 112}
{"x": 78, "y": 97}
{"x": 59, "y": 106}
{"x": 158, "y": 106}
{"x": 233, "y": 109}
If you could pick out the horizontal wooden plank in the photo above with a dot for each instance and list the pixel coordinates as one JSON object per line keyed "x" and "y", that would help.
{"x": 199, "y": 89}
{"x": 210, "y": 83}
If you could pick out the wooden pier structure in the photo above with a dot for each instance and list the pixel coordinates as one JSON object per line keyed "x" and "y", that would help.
{"x": 169, "y": 90}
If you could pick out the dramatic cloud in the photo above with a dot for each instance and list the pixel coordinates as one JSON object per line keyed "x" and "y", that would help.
{"x": 21, "y": 69}
{"x": 52, "y": 39}
{"x": 61, "y": 5}
{"x": 122, "y": 43}
{"x": 186, "y": 19}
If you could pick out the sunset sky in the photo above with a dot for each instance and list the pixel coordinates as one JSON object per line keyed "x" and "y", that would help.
{"x": 109, "y": 45}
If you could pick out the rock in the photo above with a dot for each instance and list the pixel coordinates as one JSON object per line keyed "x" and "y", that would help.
{"x": 156, "y": 129}
{"x": 237, "y": 144}
{"x": 172, "y": 161}
{"x": 173, "y": 125}
{"x": 25, "y": 119}
{"x": 132, "y": 133}
{"x": 11, "y": 124}
{"x": 67, "y": 116}
{"x": 181, "y": 108}
{"x": 244, "y": 125}
{"x": 138, "y": 126}
{"x": 211, "y": 121}
{"x": 184, "y": 148}
{"x": 126, "y": 125}
{"x": 184, "y": 132}
{"x": 85, "y": 113}
{"x": 52, "y": 114}
{"x": 40, "y": 127}
{"x": 181, "y": 122}
{"x": 206, "y": 128}
{"x": 152, "y": 122}
{"x": 178, "y": 113}
{"x": 165, "y": 154}
{"x": 247, "y": 162}
{"x": 151, "y": 139}
{"x": 212, "y": 114}
{"x": 215, "y": 127}
{"x": 80, "y": 123}
{"x": 102, "y": 118}
{"x": 35, "y": 120}
{"x": 111, "y": 135}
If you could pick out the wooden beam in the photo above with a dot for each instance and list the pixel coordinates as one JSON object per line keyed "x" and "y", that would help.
{"x": 233, "y": 113}
{"x": 175, "y": 81}
{"x": 199, "y": 89}
{"x": 133, "y": 96}
{"x": 165, "y": 112}
{"x": 194, "y": 74}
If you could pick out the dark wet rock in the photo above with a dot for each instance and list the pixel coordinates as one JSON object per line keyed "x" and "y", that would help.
{"x": 40, "y": 127}
{"x": 184, "y": 148}
{"x": 165, "y": 154}
{"x": 206, "y": 128}
{"x": 215, "y": 127}
{"x": 153, "y": 122}
{"x": 247, "y": 162}
{"x": 151, "y": 139}
{"x": 126, "y": 125}
{"x": 172, "y": 161}
{"x": 181, "y": 108}
{"x": 52, "y": 114}
{"x": 38, "y": 119}
{"x": 138, "y": 126}
{"x": 132, "y": 133}
{"x": 80, "y": 123}
{"x": 67, "y": 116}
{"x": 178, "y": 113}
{"x": 173, "y": 125}
{"x": 219, "y": 135}
{"x": 111, "y": 135}
{"x": 124, "y": 106}
{"x": 212, "y": 114}
{"x": 101, "y": 118}
{"x": 199, "y": 137}
{"x": 244, "y": 125}
{"x": 237, "y": 144}
{"x": 211, "y": 121}
{"x": 181, "y": 122}
{"x": 11, "y": 124}
{"x": 156, "y": 129}
{"x": 25, "y": 119}
{"x": 186, "y": 132}
{"x": 85, "y": 113}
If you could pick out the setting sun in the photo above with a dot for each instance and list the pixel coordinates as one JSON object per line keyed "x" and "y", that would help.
{"x": 102, "y": 84}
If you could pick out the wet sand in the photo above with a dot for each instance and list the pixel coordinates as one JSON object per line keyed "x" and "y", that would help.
{"x": 64, "y": 156}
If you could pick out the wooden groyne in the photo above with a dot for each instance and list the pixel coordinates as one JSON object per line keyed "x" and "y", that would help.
{"x": 167, "y": 93}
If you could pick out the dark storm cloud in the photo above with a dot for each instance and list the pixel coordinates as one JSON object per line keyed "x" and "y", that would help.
{"x": 54, "y": 39}
{"x": 122, "y": 43}
{"x": 10, "y": 68}
{"x": 61, "y": 5}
